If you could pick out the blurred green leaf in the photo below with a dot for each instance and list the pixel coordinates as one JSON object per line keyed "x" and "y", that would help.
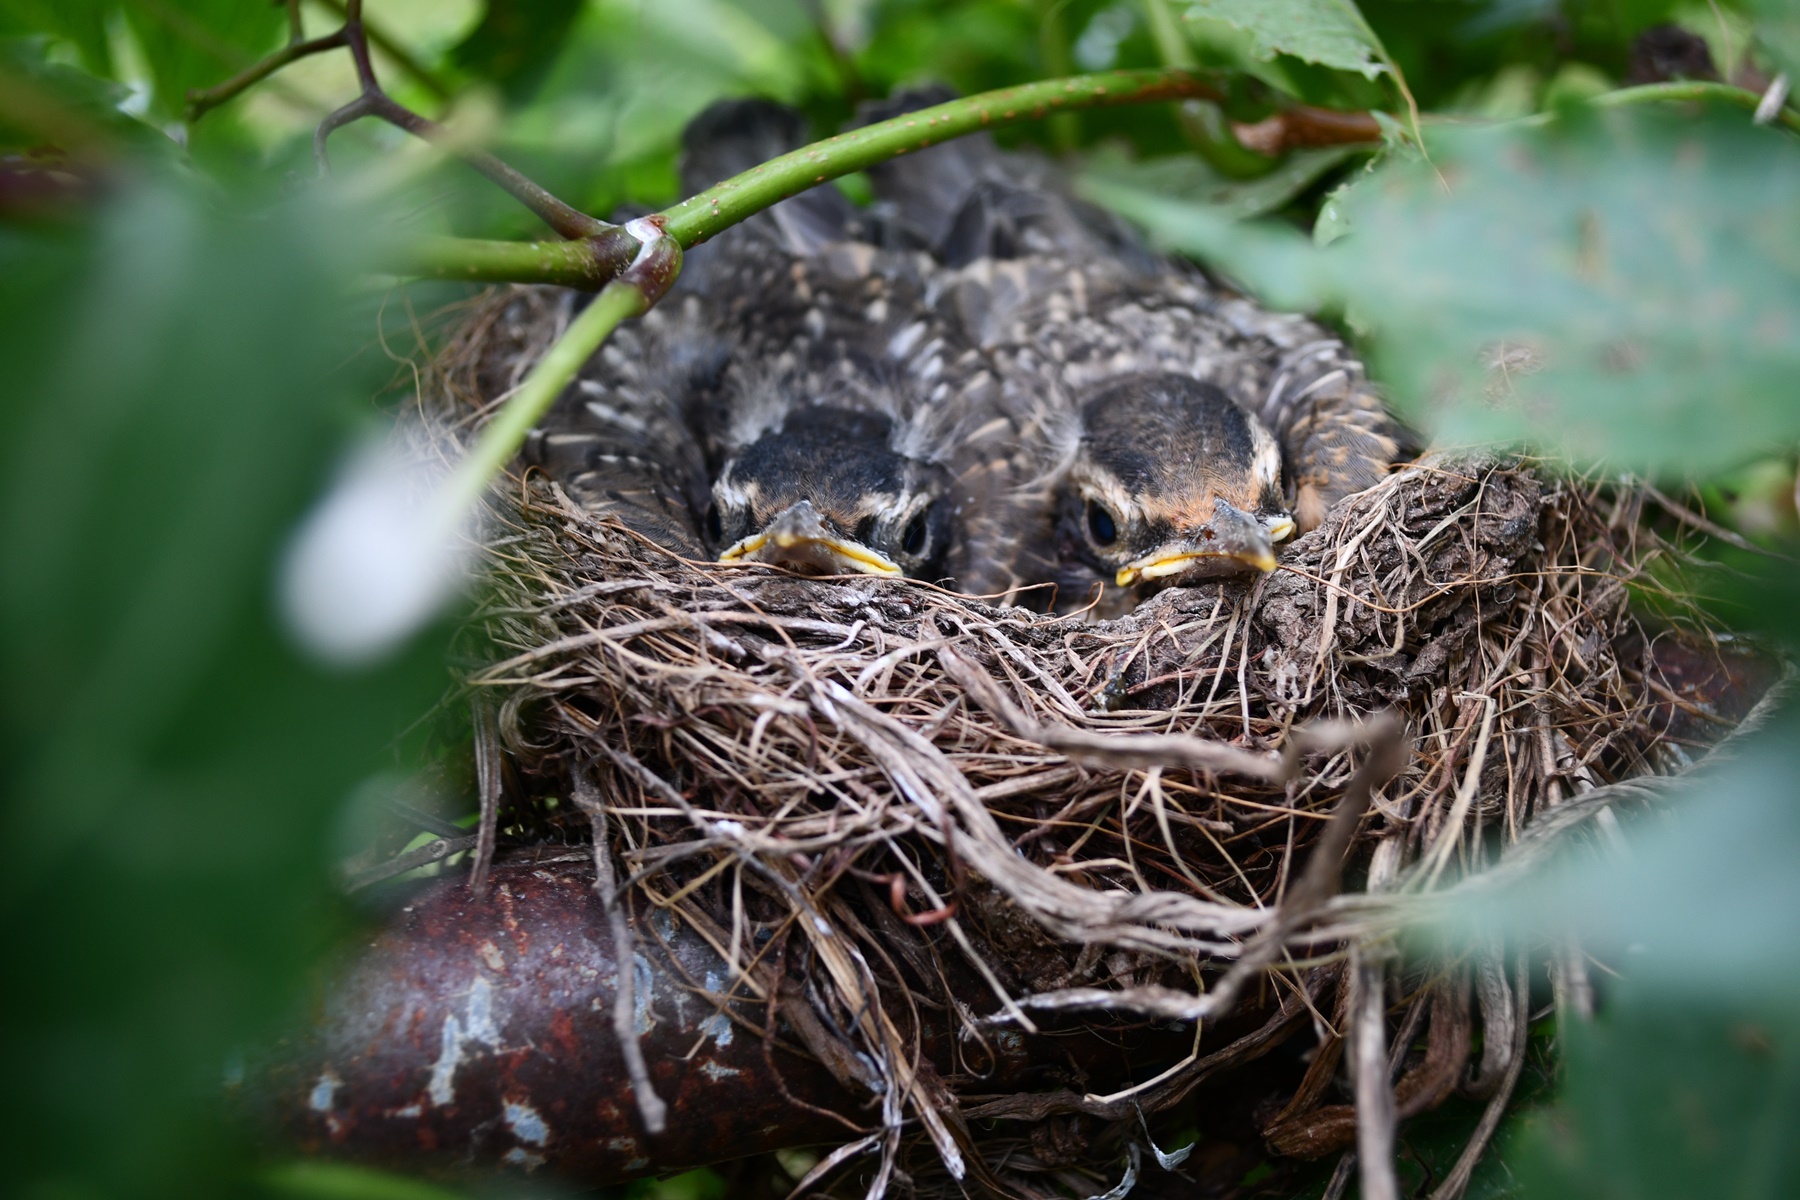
{"x": 735, "y": 41}
{"x": 1581, "y": 286}
{"x": 1704, "y": 904}
{"x": 1688, "y": 1083}
{"x": 47, "y": 103}
{"x": 1666, "y": 1102}
{"x": 1331, "y": 33}
{"x": 192, "y": 44}
{"x": 81, "y": 22}
{"x": 1189, "y": 179}
{"x": 340, "y": 1181}
{"x": 516, "y": 42}
{"x": 172, "y": 768}
{"x": 1778, "y": 28}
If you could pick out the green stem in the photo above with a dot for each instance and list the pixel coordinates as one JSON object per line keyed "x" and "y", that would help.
{"x": 718, "y": 208}
{"x": 477, "y": 260}
{"x": 1053, "y": 43}
{"x": 501, "y": 437}
{"x": 590, "y": 262}
{"x": 1652, "y": 93}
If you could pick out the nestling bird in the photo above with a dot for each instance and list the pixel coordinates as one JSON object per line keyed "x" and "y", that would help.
{"x": 981, "y": 381}
{"x": 794, "y": 400}
{"x": 1170, "y": 480}
{"x": 1190, "y": 431}
{"x": 834, "y": 490}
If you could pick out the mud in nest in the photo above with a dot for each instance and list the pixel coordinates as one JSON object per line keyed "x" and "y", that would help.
{"x": 895, "y": 807}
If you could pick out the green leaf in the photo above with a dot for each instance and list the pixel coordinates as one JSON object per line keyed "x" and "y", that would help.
{"x": 1667, "y": 1103}
{"x": 1778, "y": 28}
{"x": 1688, "y": 1083}
{"x": 49, "y": 104}
{"x": 1331, "y": 33}
{"x": 516, "y": 43}
{"x": 82, "y": 23}
{"x": 312, "y": 1180}
{"x": 1190, "y": 179}
{"x": 192, "y": 44}
{"x": 178, "y": 383}
{"x": 1623, "y": 288}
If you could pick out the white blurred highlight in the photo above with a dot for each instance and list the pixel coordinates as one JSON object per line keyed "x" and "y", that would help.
{"x": 377, "y": 558}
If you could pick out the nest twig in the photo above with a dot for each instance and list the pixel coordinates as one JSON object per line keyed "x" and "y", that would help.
{"x": 886, "y": 788}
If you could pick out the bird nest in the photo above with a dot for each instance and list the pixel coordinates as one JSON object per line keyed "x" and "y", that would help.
{"x": 888, "y": 804}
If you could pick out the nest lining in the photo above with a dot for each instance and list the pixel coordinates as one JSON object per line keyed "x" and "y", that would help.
{"x": 889, "y": 787}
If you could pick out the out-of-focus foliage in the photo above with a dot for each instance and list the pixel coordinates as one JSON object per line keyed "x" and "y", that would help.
{"x": 177, "y": 383}
{"x": 1778, "y": 25}
{"x": 1665, "y": 266}
{"x": 1327, "y": 32}
{"x": 516, "y": 42}
{"x": 1689, "y": 1082}
{"x": 315, "y": 1180}
{"x": 189, "y": 349}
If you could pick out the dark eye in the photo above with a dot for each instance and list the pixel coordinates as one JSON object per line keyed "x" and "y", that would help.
{"x": 865, "y": 530}
{"x": 714, "y": 528}
{"x": 912, "y": 538}
{"x": 1101, "y": 525}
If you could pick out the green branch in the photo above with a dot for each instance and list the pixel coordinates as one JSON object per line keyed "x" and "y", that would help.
{"x": 1654, "y": 93}
{"x": 590, "y": 262}
{"x": 629, "y": 295}
{"x": 475, "y": 260}
{"x": 718, "y": 208}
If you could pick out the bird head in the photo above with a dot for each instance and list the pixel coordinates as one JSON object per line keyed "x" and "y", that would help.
{"x": 827, "y": 491}
{"x": 1168, "y": 482}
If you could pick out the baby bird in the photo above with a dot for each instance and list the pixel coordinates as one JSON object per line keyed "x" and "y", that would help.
{"x": 794, "y": 400}
{"x": 1190, "y": 430}
{"x": 1170, "y": 482}
{"x": 831, "y": 490}
{"x": 852, "y": 430}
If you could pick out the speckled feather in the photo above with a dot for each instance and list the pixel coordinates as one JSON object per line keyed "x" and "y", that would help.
{"x": 974, "y": 307}
{"x": 1061, "y": 303}
{"x": 621, "y": 439}
{"x": 790, "y": 311}
{"x": 850, "y": 327}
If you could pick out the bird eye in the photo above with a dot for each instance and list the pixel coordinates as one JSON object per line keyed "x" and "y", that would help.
{"x": 715, "y": 529}
{"x": 912, "y": 538}
{"x": 1101, "y": 526}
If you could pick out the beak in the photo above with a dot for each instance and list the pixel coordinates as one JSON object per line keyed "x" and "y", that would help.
{"x": 798, "y": 538}
{"x": 1225, "y": 545}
